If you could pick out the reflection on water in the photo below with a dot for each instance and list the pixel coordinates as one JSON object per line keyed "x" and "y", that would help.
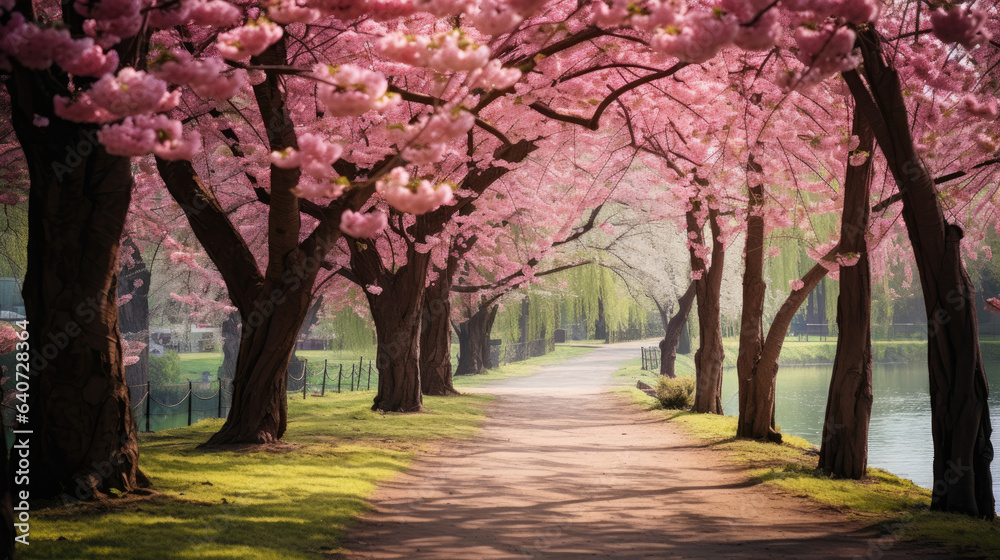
{"x": 899, "y": 438}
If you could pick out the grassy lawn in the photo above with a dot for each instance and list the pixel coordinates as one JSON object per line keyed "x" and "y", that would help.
{"x": 562, "y": 353}
{"x": 292, "y": 502}
{"x": 897, "y": 505}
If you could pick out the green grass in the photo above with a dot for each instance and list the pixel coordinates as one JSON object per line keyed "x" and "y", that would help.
{"x": 289, "y": 503}
{"x": 881, "y": 498}
{"x": 527, "y": 367}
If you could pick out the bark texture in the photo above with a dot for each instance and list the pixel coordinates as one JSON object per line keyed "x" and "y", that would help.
{"x": 844, "y": 449}
{"x": 960, "y": 418}
{"x": 474, "y": 341}
{"x": 435, "y": 337}
{"x": 673, "y": 329}
{"x": 133, "y": 316}
{"x": 710, "y": 354}
{"x": 84, "y": 435}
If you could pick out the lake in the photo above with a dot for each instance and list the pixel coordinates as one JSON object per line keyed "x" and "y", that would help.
{"x": 899, "y": 438}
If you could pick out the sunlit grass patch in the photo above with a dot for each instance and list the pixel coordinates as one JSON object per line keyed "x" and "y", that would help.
{"x": 291, "y": 501}
{"x": 524, "y": 368}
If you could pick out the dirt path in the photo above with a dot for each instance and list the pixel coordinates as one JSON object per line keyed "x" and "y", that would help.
{"x": 564, "y": 470}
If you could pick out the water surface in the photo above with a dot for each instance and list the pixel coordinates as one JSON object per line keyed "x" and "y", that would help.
{"x": 899, "y": 438}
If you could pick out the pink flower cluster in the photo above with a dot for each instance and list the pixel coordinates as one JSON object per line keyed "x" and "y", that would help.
{"x": 110, "y": 20}
{"x": 215, "y": 13}
{"x": 291, "y": 11}
{"x": 429, "y": 136}
{"x": 960, "y": 24}
{"x": 825, "y": 51}
{"x": 350, "y": 91}
{"x": 206, "y": 77}
{"x": 362, "y": 225}
{"x": 417, "y": 196}
{"x": 142, "y": 134}
{"x": 131, "y": 92}
{"x": 796, "y": 284}
{"x": 987, "y": 109}
{"x": 249, "y": 40}
{"x": 494, "y": 76}
{"x": 646, "y": 15}
{"x": 38, "y": 48}
{"x": 450, "y": 51}
{"x": 697, "y": 36}
{"x": 315, "y": 156}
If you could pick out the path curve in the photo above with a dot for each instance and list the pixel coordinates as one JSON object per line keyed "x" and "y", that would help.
{"x": 564, "y": 470}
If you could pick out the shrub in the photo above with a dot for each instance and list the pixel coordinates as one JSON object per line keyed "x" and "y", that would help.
{"x": 165, "y": 369}
{"x": 676, "y": 393}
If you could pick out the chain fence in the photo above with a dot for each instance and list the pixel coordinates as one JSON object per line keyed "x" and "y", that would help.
{"x": 162, "y": 407}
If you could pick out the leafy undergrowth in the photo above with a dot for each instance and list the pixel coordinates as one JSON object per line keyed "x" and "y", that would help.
{"x": 897, "y": 505}
{"x": 290, "y": 502}
{"x": 562, "y": 353}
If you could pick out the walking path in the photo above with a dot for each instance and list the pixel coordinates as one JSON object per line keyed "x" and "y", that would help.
{"x": 563, "y": 470}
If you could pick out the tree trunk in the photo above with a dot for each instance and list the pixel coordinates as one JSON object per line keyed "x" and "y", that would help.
{"x": 960, "y": 418}
{"x": 474, "y": 341}
{"x": 84, "y": 435}
{"x": 396, "y": 311}
{"x": 600, "y": 324}
{"x": 673, "y": 329}
{"x": 756, "y": 398}
{"x": 435, "y": 339}
{"x": 259, "y": 411}
{"x": 230, "y": 345}
{"x": 844, "y": 449}
{"x": 709, "y": 356}
{"x": 133, "y": 316}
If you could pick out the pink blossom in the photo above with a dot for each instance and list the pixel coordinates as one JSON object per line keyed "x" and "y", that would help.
{"x": 140, "y": 135}
{"x": 417, "y": 196}
{"x": 848, "y": 259}
{"x": 796, "y": 284}
{"x": 697, "y": 274}
{"x": 291, "y": 11}
{"x": 607, "y": 228}
{"x": 214, "y": 13}
{"x": 362, "y": 225}
{"x": 646, "y": 15}
{"x": 350, "y": 91}
{"x": 249, "y": 40}
{"x": 427, "y": 137}
{"x": 494, "y": 76}
{"x": 207, "y": 77}
{"x": 8, "y": 338}
{"x": 826, "y": 51}
{"x": 40, "y": 121}
{"x": 373, "y": 289}
{"x": 987, "y": 109}
{"x": 315, "y": 156}
{"x": 9, "y": 199}
{"x": 81, "y": 108}
{"x": 960, "y": 25}
{"x": 131, "y": 92}
{"x": 84, "y": 58}
{"x": 857, "y": 158}
{"x": 994, "y": 305}
{"x": 697, "y": 36}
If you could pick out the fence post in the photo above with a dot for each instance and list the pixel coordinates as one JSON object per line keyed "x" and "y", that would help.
{"x": 369, "y": 375}
{"x": 352, "y": 378}
{"x": 190, "y": 400}
{"x": 340, "y": 375}
{"x": 305, "y": 378}
{"x": 149, "y": 397}
{"x": 322, "y": 391}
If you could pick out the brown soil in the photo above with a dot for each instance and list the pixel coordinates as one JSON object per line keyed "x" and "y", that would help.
{"x": 564, "y": 470}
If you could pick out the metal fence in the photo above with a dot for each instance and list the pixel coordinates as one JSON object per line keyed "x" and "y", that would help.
{"x": 650, "y": 358}
{"x": 161, "y": 407}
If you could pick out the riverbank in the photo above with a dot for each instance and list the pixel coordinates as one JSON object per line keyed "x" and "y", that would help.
{"x": 816, "y": 352}
{"x": 896, "y": 506}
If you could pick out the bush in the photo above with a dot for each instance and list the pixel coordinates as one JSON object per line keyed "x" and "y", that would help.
{"x": 165, "y": 369}
{"x": 676, "y": 393}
